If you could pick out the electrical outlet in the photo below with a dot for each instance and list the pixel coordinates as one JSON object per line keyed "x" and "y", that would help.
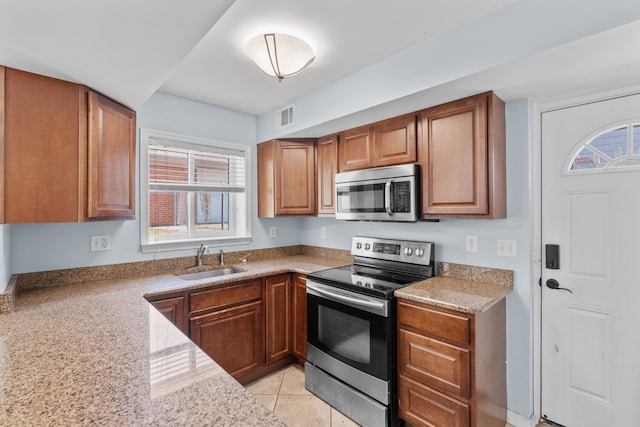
{"x": 507, "y": 248}
{"x": 323, "y": 232}
{"x": 272, "y": 232}
{"x": 100, "y": 243}
{"x": 472, "y": 244}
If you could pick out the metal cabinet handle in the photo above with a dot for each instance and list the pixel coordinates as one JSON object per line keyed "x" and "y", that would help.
{"x": 553, "y": 284}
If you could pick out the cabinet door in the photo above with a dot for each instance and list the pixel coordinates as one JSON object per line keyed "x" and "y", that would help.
{"x": 277, "y": 298}
{"x": 299, "y": 315}
{"x": 395, "y": 141}
{"x": 44, "y": 135}
{"x": 111, "y": 159}
{"x": 327, "y": 151}
{"x": 174, "y": 310}
{"x": 232, "y": 337}
{"x": 356, "y": 149}
{"x": 462, "y": 154}
{"x": 295, "y": 168}
{"x": 422, "y": 406}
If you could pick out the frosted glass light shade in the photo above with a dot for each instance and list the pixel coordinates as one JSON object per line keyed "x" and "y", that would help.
{"x": 280, "y": 55}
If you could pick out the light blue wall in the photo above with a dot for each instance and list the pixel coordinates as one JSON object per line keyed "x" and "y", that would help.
{"x": 5, "y": 256}
{"x": 449, "y": 237}
{"x": 43, "y": 247}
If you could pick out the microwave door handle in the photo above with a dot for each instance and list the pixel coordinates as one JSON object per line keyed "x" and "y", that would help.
{"x": 387, "y": 198}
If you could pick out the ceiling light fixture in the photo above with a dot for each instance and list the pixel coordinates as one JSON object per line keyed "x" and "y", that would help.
{"x": 280, "y": 55}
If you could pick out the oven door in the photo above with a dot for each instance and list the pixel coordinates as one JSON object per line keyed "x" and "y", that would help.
{"x": 350, "y": 327}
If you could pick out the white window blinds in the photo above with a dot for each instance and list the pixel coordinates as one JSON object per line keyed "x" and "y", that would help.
{"x": 181, "y": 166}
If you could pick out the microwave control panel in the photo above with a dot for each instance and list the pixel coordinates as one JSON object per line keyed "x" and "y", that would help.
{"x": 402, "y": 196}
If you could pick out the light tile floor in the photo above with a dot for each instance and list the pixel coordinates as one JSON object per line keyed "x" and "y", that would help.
{"x": 284, "y": 394}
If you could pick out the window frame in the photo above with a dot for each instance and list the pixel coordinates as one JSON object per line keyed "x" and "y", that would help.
{"x": 613, "y": 164}
{"x": 243, "y": 221}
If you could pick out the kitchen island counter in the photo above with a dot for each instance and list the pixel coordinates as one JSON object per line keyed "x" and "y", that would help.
{"x": 99, "y": 353}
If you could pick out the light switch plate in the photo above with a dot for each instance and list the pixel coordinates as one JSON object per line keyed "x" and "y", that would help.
{"x": 507, "y": 248}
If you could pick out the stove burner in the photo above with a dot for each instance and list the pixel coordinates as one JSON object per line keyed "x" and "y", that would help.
{"x": 386, "y": 266}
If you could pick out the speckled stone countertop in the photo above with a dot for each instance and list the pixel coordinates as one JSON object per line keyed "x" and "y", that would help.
{"x": 463, "y": 288}
{"x": 97, "y": 353}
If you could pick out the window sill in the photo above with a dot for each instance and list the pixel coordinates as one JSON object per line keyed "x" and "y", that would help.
{"x": 193, "y": 244}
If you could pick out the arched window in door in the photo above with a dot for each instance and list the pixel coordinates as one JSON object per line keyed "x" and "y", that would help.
{"x": 617, "y": 148}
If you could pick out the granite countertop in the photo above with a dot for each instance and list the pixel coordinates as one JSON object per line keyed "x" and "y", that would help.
{"x": 170, "y": 283}
{"x": 467, "y": 289}
{"x": 99, "y": 353}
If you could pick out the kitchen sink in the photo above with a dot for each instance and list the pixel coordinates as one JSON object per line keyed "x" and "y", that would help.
{"x": 211, "y": 273}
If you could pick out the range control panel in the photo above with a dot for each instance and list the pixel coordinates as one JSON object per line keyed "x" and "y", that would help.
{"x": 409, "y": 251}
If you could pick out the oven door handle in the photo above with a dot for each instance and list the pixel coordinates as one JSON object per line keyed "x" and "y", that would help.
{"x": 387, "y": 198}
{"x": 377, "y": 307}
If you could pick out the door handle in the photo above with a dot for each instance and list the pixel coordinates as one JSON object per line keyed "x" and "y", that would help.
{"x": 553, "y": 284}
{"x": 387, "y": 198}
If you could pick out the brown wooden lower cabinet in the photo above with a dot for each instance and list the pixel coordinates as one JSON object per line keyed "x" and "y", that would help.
{"x": 232, "y": 337}
{"x": 249, "y": 328}
{"x": 423, "y": 406}
{"x": 451, "y": 366}
{"x": 173, "y": 309}
{"x": 299, "y": 317}
{"x": 277, "y": 300}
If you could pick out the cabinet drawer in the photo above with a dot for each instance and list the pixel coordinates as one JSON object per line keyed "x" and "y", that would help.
{"x": 421, "y": 406}
{"x": 449, "y": 327}
{"x": 221, "y": 297}
{"x": 434, "y": 363}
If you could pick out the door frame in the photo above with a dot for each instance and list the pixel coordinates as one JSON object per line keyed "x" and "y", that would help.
{"x": 538, "y": 109}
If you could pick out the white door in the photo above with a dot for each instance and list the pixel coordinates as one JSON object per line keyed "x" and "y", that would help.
{"x": 591, "y": 329}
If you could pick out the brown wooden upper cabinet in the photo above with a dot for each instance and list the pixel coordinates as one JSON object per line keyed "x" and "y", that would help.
{"x": 111, "y": 159}
{"x": 287, "y": 178}
{"x": 385, "y": 143}
{"x": 68, "y": 154}
{"x": 327, "y": 154}
{"x": 461, "y": 151}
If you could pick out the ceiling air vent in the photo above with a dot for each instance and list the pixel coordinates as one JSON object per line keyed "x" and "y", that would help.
{"x": 284, "y": 117}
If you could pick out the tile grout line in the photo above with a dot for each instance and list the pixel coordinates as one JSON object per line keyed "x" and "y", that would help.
{"x": 284, "y": 370}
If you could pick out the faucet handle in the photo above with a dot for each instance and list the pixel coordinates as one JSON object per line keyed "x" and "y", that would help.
{"x": 243, "y": 260}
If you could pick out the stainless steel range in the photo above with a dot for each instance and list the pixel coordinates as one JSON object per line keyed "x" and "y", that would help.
{"x": 351, "y": 327}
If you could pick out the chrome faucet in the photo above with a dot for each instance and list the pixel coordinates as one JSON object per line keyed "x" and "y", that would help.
{"x": 221, "y": 257}
{"x": 201, "y": 252}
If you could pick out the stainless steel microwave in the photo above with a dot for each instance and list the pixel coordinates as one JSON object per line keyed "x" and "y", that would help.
{"x": 379, "y": 194}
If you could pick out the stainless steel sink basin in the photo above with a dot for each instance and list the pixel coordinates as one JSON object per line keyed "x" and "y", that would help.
{"x": 211, "y": 273}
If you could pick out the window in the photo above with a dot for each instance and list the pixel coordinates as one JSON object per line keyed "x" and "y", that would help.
{"x": 192, "y": 190}
{"x": 616, "y": 148}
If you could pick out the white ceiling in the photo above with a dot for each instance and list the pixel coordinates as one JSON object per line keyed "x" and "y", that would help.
{"x": 345, "y": 35}
{"x": 195, "y": 48}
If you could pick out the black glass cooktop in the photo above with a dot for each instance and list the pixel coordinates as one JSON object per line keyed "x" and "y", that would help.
{"x": 366, "y": 280}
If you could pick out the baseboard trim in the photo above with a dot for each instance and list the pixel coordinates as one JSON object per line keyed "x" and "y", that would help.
{"x": 517, "y": 420}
